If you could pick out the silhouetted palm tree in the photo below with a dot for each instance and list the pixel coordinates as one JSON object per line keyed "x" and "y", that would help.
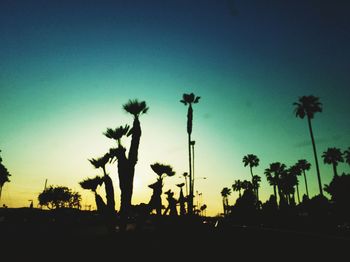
{"x": 189, "y": 99}
{"x": 273, "y": 174}
{"x": 304, "y": 165}
{"x": 4, "y": 175}
{"x": 101, "y": 163}
{"x": 92, "y": 184}
{"x": 182, "y": 199}
{"x": 171, "y": 204}
{"x": 135, "y": 108}
{"x": 126, "y": 165}
{"x": 256, "y": 184}
{"x": 225, "y": 192}
{"x": 237, "y": 186}
{"x": 252, "y": 161}
{"x": 185, "y": 176}
{"x": 162, "y": 171}
{"x": 117, "y": 133}
{"x": 294, "y": 171}
{"x": 333, "y": 156}
{"x": 347, "y": 156}
{"x": 308, "y": 106}
{"x": 203, "y": 208}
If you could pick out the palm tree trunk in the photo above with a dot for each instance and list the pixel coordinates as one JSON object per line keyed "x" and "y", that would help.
{"x": 307, "y": 191}
{"x": 335, "y": 169}
{"x": 189, "y": 131}
{"x": 275, "y": 192}
{"x": 298, "y": 194}
{"x": 190, "y": 200}
{"x": 109, "y": 193}
{"x": 315, "y": 155}
{"x": 224, "y": 206}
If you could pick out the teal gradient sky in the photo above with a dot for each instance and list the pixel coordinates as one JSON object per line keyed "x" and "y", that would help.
{"x": 67, "y": 67}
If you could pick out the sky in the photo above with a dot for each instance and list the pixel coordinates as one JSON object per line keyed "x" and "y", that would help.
{"x": 67, "y": 67}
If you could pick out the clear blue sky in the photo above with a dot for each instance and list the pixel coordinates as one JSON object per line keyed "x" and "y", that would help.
{"x": 66, "y": 68}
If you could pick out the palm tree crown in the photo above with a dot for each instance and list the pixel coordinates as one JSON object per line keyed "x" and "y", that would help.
{"x": 333, "y": 156}
{"x": 304, "y": 165}
{"x": 117, "y": 133}
{"x": 100, "y": 162}
{"x": 189, "y": 99}
{"x": 225, "y": 192}
{"x": 347, "y": 155}
{"x": 135, "y": 107}
{"x": 251, "y": 160}
{"x": 307, "y": 106}
{"x": 91, "y": 183}
{"x": 161, "y": 169}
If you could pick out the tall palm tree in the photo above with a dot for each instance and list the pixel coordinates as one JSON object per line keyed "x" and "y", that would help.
{"x": 4, "y": 175}
{"x": 304, "y": 165}
{"x": 308, "y": 106}
{"x": 333, "y": 156}
{"x": 347, "y": 156}
{"x": 189, "y": 99}
{"x": 92, "y": 184}
{"x": 126, "y": 164}
{"x": 101, "y": 163}
{"x": 136, "y": 108}
{"x": 225, "y": 192}
{"x": 237, "y": 186}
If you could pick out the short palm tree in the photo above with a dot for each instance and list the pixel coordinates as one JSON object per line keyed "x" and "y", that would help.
{"x": 308, "y": 106}
{"x": 237, "y": 186}
{"x": 304, "y": 165}
{"x": 273, "y": 174}
{"x": 4, "y": 175}
{"x": 347, "y": 156}
{"x": 101, "y": 163}
{"x": 256, "y": 184}
{"x": 189, "y": 99}
{"x": 333, "y": 156}
{"x": 92, "y": 184}
{"x": 181, "y": 199}
{"x": 162, "y": 171}
{"x": 294, "y": 171}
{"x": 225, "y": 192}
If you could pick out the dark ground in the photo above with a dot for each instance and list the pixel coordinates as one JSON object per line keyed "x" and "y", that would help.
{"x": 69, "y": 235}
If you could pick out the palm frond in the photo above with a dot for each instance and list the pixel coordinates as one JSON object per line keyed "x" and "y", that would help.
{"x": 135, "y": 107}
{"x": 161, "y": 169}
{"x": 91, "y": 183}
{"x": 117, "y": 133}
